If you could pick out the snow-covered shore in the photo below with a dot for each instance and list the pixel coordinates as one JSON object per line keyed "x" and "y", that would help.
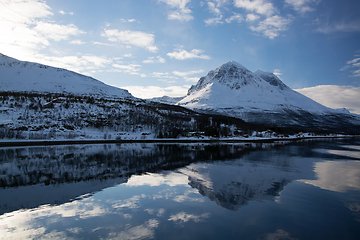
{"x": 135, "y": 139}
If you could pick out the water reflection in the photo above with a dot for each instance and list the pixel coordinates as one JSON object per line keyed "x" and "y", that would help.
{"x": 339, "y": 176}
{"x": 205, "y": 191}
{"x": 31, "y": 171}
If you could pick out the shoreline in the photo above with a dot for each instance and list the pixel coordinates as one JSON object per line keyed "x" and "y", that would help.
{"x": 169, "y": 140}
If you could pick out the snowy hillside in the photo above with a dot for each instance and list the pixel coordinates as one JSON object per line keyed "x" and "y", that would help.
{"x": 33, "y": 77}
{"x": 258, "y": 97}
{"x": 166, "y": 99}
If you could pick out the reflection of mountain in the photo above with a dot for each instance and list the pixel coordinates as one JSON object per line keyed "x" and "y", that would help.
{"x": 232, "y": 184}
{"x": 27, "y": 197}
{"x": 236, "y": 194}
{"x": 32, "y": 176}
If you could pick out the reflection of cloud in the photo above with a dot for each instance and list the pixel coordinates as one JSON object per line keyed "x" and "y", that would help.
{"x": 353, "y": 154}
{"x": 25, "y": 224}
{"x": 159, "y": 213}
{"x": 279, "y": 235}
{"x": 337, "y": 176}
{"x": 185, "y": 197}
{"x": 133, "y": 202}
{"x": 150, "y": 179}
{"x": 143, "y": 231}
{"x": 183, "y": 217}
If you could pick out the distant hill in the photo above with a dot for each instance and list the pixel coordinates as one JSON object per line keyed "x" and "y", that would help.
{"x": 166, "y": 99}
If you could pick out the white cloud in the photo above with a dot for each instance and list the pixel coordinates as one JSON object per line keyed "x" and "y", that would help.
{"x": 184, "y": 74}
{"x": 158, "y": 59}
{"x": 252, "y": 17}
{"x": 302, "y": 5}
{"x": 340, "y": 27}
{"x": 77, "y": 42}
{"x": 334, "y": 96}
{"x": 136, "y": 38}
{"x": 191, "y": 79}
{"x": 213, "y": 21}
{"x": 179, "y": 10}
{"x": 262, "y": 7}
{"x": 63, "y": 13}
{"x": 236, "y": 17}
{"x": 104, "y": 44}
{"x": 55, "y": 31}
{"x": 277, "y": 72}
{"x": 156, "y": 91}
{"x": 273, "y": 23}
{"x": 23, "y": 11}
{"x": 164, "y": 75}
{"x": 353, "y": 66}
{"x": 181, "y": 54}
{"x": 214, "y": 8}
{"x": 271, "y": 26}
{"x": 26, "y": 28}
{"x": 84, "y": 64}
{"x": 128, "y": 20}
{"x": 129, "y": 68}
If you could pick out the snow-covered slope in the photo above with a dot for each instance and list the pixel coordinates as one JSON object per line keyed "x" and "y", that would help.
{"x": 33, "y": 77}
{"x": 166, "y": 99}
{"x": 258, "y": 97}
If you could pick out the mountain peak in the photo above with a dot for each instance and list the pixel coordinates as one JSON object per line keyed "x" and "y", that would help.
{"x": 230, "y": 64}
{"x": 231, "y": 74}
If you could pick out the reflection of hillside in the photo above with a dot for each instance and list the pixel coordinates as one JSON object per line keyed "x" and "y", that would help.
{"x": 27, "y": 197}
{"x": 33, "y": 176}
{"x": 232, "y": 184}
{"x": 59, "y": 164}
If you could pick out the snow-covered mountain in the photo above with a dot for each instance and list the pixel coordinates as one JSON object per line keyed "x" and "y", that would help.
{"x": 21, "y": 76}
{"x": 261, "y": 97}
{"x": 166, "y": 99}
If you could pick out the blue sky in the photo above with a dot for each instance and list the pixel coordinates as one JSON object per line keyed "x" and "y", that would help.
{"x": 162, "y": 47}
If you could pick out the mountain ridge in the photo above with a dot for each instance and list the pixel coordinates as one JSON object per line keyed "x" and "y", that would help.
{"x": 260, "y": 97}
{"x": 34, "y": 77}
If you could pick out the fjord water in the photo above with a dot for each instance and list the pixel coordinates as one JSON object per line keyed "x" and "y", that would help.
{"x": 303, "y": 190}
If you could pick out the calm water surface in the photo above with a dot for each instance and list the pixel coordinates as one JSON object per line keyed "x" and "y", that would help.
{"x": 306, "y": 190}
